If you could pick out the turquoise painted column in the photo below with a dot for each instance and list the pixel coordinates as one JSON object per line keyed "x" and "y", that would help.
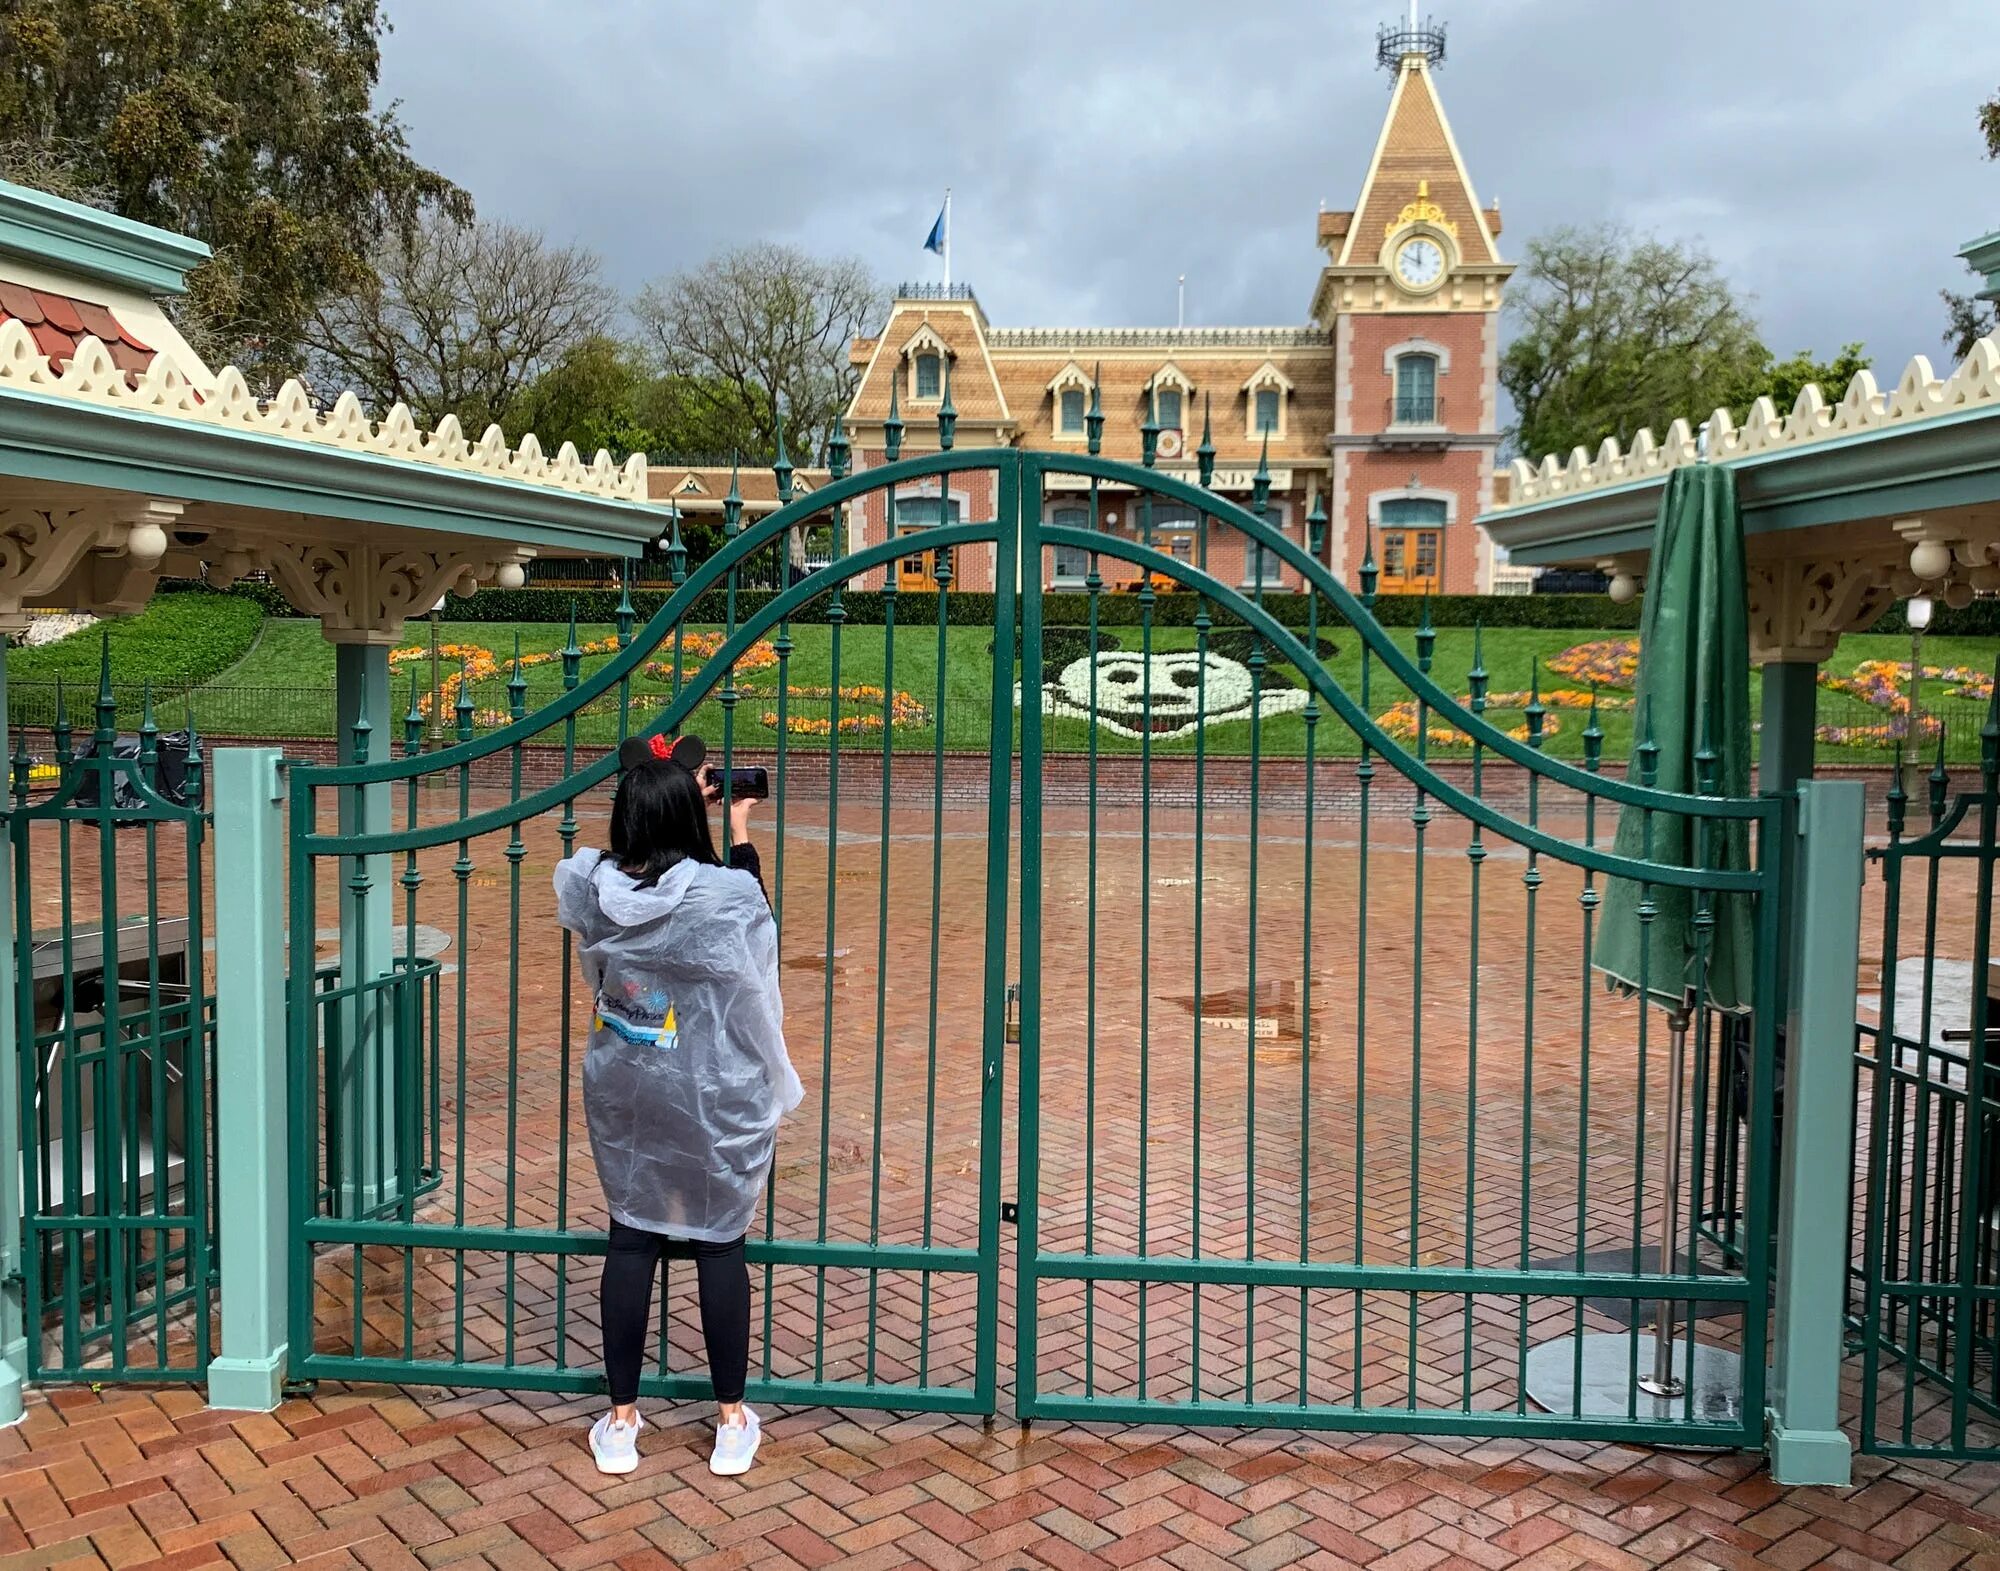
{"x": 250, "y": 1126}
{"x": 1785, "y": 740}
{"x": 364, "y": 1080}
{"x": 1784, "y": 760}
{"x": 1807, "y": 1445}
{"x": 13, "y": 1324}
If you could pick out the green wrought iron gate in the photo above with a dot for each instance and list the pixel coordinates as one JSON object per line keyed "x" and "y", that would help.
{"x": 116, "y": 1027}
{"x": 1321, "y": 1117}
{"x": 1924, "y": 1303}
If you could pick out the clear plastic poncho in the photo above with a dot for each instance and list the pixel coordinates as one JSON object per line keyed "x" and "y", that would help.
{"x": 686, "y": 1076}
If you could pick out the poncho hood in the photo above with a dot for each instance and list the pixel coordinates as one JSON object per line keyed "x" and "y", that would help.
{"x": 624, "y": 901}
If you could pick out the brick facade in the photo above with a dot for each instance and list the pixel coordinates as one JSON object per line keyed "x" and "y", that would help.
{"x": 1342, "y": 436}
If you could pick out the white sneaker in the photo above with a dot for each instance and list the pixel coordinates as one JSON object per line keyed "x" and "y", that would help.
{"x": 736, "y": 1446}
{"x": 616, "y": 1445}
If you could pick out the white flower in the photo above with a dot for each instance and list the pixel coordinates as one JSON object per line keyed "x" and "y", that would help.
{"x": 1172, "y": 695}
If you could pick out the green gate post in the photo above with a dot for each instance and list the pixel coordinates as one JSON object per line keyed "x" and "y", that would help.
{"x": 1784, "y": 762}
{"x": 250, "y": 1052}
{"x": 1807, "y": 1445}
{"x": 367, "y": 952}
{"x": 13, "y": 1332}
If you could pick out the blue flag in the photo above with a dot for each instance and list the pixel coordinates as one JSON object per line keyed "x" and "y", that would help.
{"x": 935, "y": 240}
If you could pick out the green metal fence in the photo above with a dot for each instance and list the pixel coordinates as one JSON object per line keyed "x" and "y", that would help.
{"x": 116, "y": 1026}
{"x": 1321, "y": 1118}
{"x": 1925, "y": 1278}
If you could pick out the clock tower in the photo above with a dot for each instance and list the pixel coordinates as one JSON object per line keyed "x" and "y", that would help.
{"x": 1410, "y": 299}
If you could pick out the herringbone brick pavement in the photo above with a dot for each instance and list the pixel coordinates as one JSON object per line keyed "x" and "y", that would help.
{"x": 375, "y": 1477}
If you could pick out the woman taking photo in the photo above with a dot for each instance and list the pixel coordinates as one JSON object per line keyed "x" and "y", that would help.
{"x": 686, "y": 1075}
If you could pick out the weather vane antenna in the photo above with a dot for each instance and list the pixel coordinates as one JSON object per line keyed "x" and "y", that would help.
{"x": 1395, "y": 42}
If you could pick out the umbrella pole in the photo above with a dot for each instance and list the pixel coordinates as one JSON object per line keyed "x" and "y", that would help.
{"x": 1663, "y": 1381}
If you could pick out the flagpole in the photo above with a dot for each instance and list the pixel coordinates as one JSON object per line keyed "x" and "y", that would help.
{"x": 947, "y": 237}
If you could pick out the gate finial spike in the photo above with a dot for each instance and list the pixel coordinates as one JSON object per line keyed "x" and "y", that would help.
{"x": 1649, "y": 749}
{"x": 463, "y": 706}
{"x": 413, "y": 720}
{"x": 1368, "y": 569}
{"x": 1204, "y": 455}
{"x": 1260, "y": 483}
{"x": 361, "y": 728}
{"x": 1149, "y": 429}
{"x": 625, "y": 616}
{"x": 838, "y": 450}
{"x": 1316, "y": 528}
{"x": 781, "y": 467}
{"x": 947, "y": 415}
{"x": 107, "y": 705}
{"x": 1426, "y": 637}
{"x": 517, "y": 684}
{"x": 732, "y": 504}
{"x": 1898, "y": 799}
{"x": 1593, "y": 736}
{"x": 1940, "y": 780}
{"x": 572, "y": 655}
{"x": 1093, "y": 420}
{"x": 892, "y": 428}
{"x": 1476, "y": 678}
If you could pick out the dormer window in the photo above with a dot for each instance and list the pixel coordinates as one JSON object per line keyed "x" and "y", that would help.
{"x": 930, "y": 375}
{"x": 1070, "y": 389}
{"x": 924, "y": 353}
{"x": 1171, "y": 391}
{"x": 1266, "y": 397}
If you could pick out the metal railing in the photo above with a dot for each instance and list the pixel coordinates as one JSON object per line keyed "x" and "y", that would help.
{"x": 1408, "y": 409}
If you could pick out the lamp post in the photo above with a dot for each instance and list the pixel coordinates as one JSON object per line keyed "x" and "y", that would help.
{"x": 1919, "y": 613}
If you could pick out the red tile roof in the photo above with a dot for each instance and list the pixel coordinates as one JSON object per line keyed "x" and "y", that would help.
{"x": 60, "y": 323}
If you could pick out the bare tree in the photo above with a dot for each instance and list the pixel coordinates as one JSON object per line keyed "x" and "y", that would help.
{"x": 765, "y": 327}
{"x": 461, "y": 319}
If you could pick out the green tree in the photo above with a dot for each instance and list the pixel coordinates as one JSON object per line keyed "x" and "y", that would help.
{"x": 1615, "y": 333}
{"x": 603, "y": 393}
{"x": 249, "y": 124}
{"x": 1783, "y": 380}
{"x": 761, "y": 328}
{"x": 1968, "y": 318}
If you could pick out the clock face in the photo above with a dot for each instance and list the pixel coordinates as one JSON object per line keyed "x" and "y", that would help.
{"x": 1420, "y": 263}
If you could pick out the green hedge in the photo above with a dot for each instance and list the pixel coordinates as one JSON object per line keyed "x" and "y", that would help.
{"x": 1071, "y": 609}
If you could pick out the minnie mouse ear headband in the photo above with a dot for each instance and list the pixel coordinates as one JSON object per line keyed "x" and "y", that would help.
{"x": 686, "y": 751}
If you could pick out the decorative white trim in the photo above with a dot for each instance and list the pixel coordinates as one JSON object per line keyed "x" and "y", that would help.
{"x": 103, "y": 557}
{"x": 1171, "y": 375}
{"x": 363, "y": 594}
{"x": 162, "y": 390}
{"x": 1071, "y": 378}
{"x": 1403, "y": 493}
{"x": 1918, "y": 395}
{"x": 1416, "y": 346}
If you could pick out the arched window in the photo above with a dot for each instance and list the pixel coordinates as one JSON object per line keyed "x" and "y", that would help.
{"x": 1167, "y": 408}
{"x": 1070, "y": 410}
{"x": 1267, "y": 410}
{"x": 930, "y": 375}
{"x": 1416, "y": 390}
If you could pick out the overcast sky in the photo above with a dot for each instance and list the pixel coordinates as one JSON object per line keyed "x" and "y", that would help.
{"x": 1825, "y": 152}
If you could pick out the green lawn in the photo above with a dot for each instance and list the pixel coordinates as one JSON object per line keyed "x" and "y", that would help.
{"x": 280, "y": 683}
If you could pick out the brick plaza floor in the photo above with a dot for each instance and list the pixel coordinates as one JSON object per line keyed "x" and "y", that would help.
{"x": 1412, "y": 1100}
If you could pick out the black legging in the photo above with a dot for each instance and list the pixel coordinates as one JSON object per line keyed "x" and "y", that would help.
{"x": 631, "y": 1263}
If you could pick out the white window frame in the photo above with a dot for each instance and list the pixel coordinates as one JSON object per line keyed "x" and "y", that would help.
{"x": 1265, "y": 378}
{"x": 1392, "y": 362}
{"x": 1070, "y": 378}
{"x": 925, "y": 340}
{"x": 1057, "y": 512}
{"x": 1169, "y": 375}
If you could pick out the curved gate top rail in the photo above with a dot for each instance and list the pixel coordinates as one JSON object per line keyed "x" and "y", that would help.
{"x": 443, "y": 1211}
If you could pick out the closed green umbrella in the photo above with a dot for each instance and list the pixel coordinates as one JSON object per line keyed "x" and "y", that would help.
{"x": 1692, "y": 737}
{"x": 1693, "y": 700}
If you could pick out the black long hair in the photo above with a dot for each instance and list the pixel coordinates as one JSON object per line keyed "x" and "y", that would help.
{"x": 659, "y": 818}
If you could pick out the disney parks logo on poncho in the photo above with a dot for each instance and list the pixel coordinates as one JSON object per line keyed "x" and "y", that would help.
{"x": 1164, "y": 696}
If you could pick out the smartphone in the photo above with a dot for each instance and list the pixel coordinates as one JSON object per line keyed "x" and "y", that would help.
{"x": 745, "y": 785}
